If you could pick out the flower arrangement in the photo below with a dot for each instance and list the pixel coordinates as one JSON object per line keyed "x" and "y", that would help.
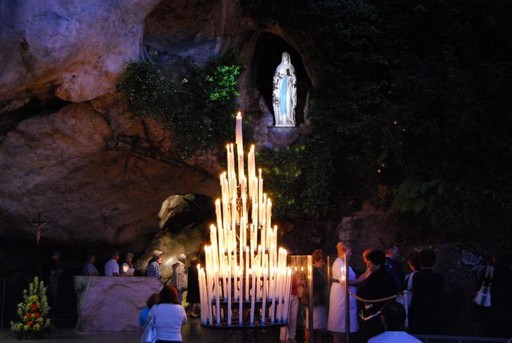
{"x": 33, "y": 312}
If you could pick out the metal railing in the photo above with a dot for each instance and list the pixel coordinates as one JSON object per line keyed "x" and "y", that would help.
{"x": 2, "y": 310}
{"x": 460, "y": 339}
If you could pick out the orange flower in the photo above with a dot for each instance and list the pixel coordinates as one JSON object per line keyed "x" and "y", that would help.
{"x": 30, "y": 323}
{"x": 37, "y": 315}
{"x": 33, "y": 307}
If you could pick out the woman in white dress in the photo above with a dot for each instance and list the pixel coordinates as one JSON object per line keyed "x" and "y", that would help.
{"x": 337, "y": 300}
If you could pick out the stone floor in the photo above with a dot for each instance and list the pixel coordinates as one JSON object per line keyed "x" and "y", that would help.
{"x": 192, "y": 332}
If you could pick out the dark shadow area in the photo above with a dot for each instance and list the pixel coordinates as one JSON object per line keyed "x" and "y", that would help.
{"x": 198, "y": 211}
{"x": 35, "y": 107}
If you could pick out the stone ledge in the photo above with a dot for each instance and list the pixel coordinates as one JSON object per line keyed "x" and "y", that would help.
{"x": 112, "y": 304}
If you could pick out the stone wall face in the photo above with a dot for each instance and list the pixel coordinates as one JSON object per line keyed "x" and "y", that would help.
{"x": 112, "y": 304}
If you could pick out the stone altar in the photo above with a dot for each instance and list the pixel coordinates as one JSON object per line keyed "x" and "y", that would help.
{"x": 112, "y": 303}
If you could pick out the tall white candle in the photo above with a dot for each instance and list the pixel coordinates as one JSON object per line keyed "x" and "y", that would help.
{"x": 264, "y": 297}
{"x": 217, "y": 296}
{"x": 228, "y": 286}
{"x": 240, "y": 300}
{"x": 273, "y": 296}
{"x": 230, "y": 171}
{"x": 209, "y": 293}
{"x": 287, "y": 294}
{"x": 247, "y": 273}
{"x": 253, "y": 296}
{"x": 233, "y": 213}
{"x": 218, "y": 213}
{"x": 252, "y": 164}
{"x": 240, "y": 165}
{"x": 202, "y": 293}
{"x": 238, "y": 130}
{"x": 260, "y": 188}
{"x": 269, "y": 214}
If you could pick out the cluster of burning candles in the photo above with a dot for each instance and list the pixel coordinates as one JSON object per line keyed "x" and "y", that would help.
{"x": 246, "y": 280}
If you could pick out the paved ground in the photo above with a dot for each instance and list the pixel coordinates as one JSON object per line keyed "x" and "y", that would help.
{"x": 192, "y": 332}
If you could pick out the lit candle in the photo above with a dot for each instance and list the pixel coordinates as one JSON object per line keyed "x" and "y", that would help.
{"x": 242, "y": 245}
{"x": 260, "y": 187}
{"x": 240, "y": 165}
{"x": 263, "y": 239}
{"x": 233, "y": 213}
{"x": 247, "y": 273}
{"x": 228, "y": 286}
{"x": 217, "y": 296}
{"x": 243, "y": 186}
{"x": 264, "y": 297}
{"x": 209, "y": 288}
{"x": 255, "y": 214}
{"x": 258, "y": 281}
{"x": 240, "y": 301}
{"x": 230, "y": 171}
{"x": 286, "y": 293}
{"x": 252, "y": 165}
{"x": 269, "y": 214}
{"x": 238, "y": 130}
{"x": 243, "y": 234}
{"x": 218, "y": 213}
{"x": 273, "y": 280}
{"x": 202, "y": 293}
{"x": 253, "y": 296}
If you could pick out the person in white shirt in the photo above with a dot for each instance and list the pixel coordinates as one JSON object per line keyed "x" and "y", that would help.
{"x": 179, "y": 277}
{"x": 393, "y": 320}
{"x": 89, "y": 267}
{"x": 111, "y": 267}
{"x": 168, "y": 316}
{"x": 154, "y": 264}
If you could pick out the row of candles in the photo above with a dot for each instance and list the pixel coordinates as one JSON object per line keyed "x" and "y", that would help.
{"x": 245, "y": 272}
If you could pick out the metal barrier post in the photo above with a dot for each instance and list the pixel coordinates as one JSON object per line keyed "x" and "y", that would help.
{"x": 347, "y": 301}
{"x": 3, "y": 305}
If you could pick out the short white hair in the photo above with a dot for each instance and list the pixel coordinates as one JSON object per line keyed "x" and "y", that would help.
{"x": 156, "y": 253}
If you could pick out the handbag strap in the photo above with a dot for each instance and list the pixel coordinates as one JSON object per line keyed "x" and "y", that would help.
{"x": 489, "y": 273}
{"x": 152, "y": 320}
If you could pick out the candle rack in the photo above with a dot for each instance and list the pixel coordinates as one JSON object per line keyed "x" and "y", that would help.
{"x": 245, "y": 272}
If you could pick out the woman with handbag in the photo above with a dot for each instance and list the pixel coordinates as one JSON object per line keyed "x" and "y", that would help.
{"x": 482, "y": 300}
{"x": 168, "y": 316}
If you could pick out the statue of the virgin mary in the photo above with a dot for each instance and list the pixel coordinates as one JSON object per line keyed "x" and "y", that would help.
{"x": 284, "y": 95}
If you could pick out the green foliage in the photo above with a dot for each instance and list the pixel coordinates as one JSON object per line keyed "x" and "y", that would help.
{"x": 448, "y": 115}
{"x": 416, "y": 99}
{"x": 295, "y": 185}
{"x": 417, "y": 196}
{"x": 196, "y": 103}
{"x": 225, "y": 85}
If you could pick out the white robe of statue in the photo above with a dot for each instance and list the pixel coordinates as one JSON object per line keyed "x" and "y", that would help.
{"x": 284, "y": 95}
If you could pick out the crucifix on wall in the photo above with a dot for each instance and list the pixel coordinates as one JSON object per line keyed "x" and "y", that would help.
{"x": 39, "y": 226}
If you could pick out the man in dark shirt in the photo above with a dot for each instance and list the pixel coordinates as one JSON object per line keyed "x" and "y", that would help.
{"x": 379, "y": 284}
{"x": 394, "y": 267}
{"x": 427, "y": 287}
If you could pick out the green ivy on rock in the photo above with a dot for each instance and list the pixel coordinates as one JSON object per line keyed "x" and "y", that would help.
{"x": 196, "y": 103}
